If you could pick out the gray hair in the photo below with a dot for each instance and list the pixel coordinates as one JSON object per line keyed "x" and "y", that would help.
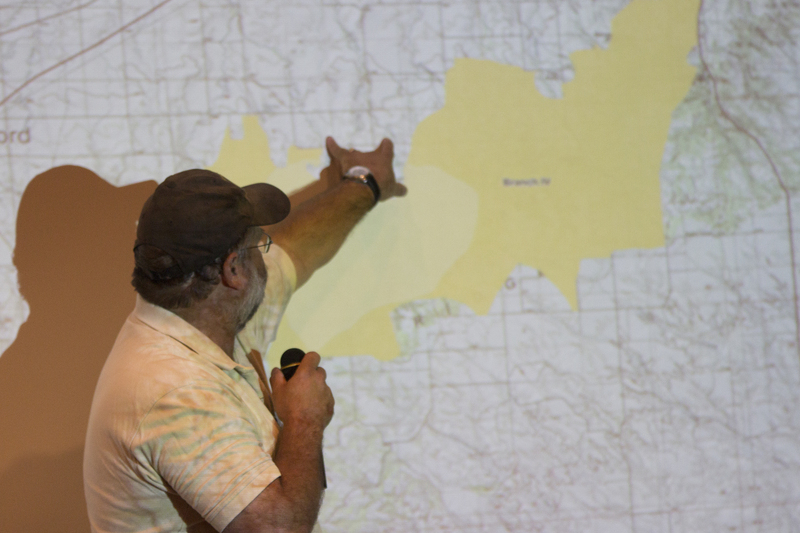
{"x": 158, "y": 278}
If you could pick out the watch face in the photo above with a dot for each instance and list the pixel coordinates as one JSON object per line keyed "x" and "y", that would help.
{"x": 364, "y": 175}
{"x": 357, "y": 172}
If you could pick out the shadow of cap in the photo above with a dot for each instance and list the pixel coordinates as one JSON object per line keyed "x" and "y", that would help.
{"x": 75, "y": 232}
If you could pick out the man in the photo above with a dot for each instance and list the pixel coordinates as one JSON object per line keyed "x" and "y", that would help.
{"x": 181, "y": 437}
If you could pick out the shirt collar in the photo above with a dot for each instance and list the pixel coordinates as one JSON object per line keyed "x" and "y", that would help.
{"x": 170, "y": 324}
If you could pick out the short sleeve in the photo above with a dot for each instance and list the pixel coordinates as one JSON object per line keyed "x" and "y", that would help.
{"x": 205, "y": 443}
{"x": 259, "y": 333}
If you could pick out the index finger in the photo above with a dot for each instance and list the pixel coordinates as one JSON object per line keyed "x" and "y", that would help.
{"x": 310, "y": 362}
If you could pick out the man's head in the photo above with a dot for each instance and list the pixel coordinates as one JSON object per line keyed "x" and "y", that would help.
{"x": 189, "y": 226}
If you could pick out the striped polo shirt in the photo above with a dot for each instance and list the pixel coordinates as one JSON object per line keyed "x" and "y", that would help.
{"x": 179, "y": 437}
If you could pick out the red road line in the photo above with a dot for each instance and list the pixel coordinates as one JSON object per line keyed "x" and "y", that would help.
{"x": 773, "y": 166}
{"x": 43, "y": 19}
{"x": 85, "y": 50}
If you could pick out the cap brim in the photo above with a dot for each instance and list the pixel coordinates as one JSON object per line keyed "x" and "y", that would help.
{"x": 270, "y": 204}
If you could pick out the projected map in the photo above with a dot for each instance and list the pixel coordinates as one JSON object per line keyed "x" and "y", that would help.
{"x": 583, "y": 316}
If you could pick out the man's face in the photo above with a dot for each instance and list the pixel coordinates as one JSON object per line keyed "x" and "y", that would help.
{"x": 257, "y": 282}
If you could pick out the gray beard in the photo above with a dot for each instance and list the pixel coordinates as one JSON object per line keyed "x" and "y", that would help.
{"x": 252, "y": 301}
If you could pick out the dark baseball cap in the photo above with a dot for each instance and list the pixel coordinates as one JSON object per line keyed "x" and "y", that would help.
{"x": 197, "y": 215}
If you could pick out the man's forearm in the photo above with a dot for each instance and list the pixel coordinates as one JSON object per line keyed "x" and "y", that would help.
{"x": 315, "y": 229}
{"x": 291, "y": 503}
{"x": 298, "y": 455}
{"x": 329, "y": 177}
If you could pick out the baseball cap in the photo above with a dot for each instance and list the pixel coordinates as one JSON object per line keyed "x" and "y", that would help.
{"x": 197, "y": 215}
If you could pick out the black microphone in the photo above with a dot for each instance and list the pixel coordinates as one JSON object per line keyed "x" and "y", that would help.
{"x": 290, "y": 360}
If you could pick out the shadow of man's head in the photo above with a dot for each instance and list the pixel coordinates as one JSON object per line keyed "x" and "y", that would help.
{"x": 75, "y": 236}
{"x": 74, "y": 255}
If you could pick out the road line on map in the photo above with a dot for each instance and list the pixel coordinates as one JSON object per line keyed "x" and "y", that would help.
{"x": 773, "y": 166}
{"x": 80, "y": 53}
{"x": 43, "y": 19}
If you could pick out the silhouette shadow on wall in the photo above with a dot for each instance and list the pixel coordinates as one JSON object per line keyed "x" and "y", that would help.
{"x": 75, "y": 235}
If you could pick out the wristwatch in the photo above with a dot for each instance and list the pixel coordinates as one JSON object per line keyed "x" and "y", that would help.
{"x": 364, "y": 175}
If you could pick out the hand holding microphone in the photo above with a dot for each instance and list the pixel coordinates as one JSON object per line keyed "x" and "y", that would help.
{"x": 307, "y": 400}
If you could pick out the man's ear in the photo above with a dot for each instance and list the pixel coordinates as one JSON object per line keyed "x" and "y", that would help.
{"x": 233, "y": 271}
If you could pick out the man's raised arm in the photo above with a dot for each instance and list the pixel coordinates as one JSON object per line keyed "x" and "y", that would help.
{"x": 319, "y": 223}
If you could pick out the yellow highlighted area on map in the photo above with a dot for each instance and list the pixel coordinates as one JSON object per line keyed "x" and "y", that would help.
{"x": 500, "y": 176}
{"x": 563, "y": 180}
{"x": 247, "y": 160}
{"x": 399, "y": 253}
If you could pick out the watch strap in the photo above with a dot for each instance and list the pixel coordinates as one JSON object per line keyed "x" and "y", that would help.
{"x": 363, "y": 175}
{"x": 373, "y": 184}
